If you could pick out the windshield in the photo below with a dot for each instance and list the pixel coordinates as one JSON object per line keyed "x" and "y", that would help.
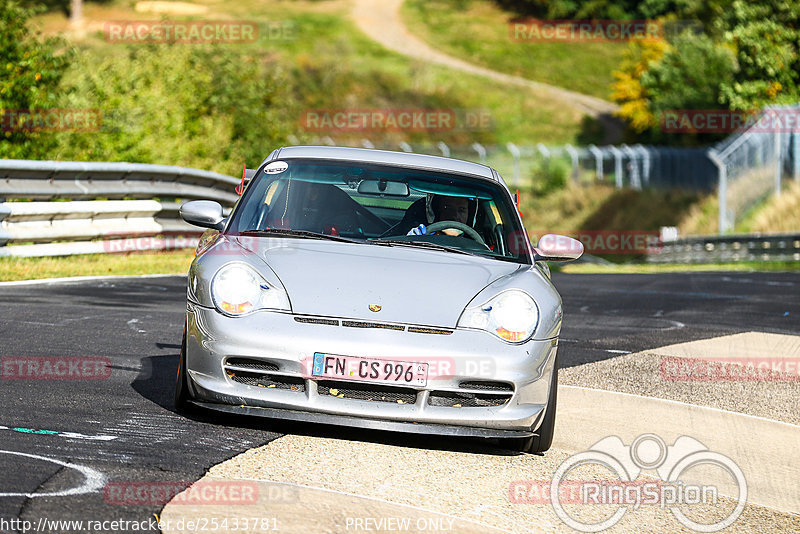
{"x": 381, "y": 204}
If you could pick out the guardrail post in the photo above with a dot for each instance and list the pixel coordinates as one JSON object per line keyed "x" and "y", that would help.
{"x": 405, "y": 147}
{"x": 479, "y": 148}
{"x": 444, "y": 149}
{"x": 573, "y": 154}
{"x": 544, "y": 151}
{"x": 645, "y": 164}
{"x": 328, "y": 141}
{"x": 617, "y": 166}
{"x": 516, "y": 154}
{"x": 5, "y": 211}
{"x": 598, "y": 161}
{"x": 366, "y": 143}
{"x": 633, "y": 165}
{"x": 778, "y": 162}
{"x": 722, "y": 191}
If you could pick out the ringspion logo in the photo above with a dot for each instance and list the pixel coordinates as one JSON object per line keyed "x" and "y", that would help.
{"x": 694, "y": 503}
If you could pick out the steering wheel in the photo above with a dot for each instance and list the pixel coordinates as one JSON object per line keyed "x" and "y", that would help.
{"x": 468, "y": 230}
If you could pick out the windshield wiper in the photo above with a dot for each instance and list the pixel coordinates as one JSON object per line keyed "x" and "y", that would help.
{"x": 286, "y": 232}
{"x": 422, "y": 244}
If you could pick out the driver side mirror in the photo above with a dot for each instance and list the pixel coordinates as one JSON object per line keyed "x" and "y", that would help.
{"x": 554, "y": 247}
{"x": 203, "y": 213}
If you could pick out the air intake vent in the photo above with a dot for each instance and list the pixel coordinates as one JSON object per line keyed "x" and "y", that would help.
{"x": 420, "y": 330}
{"x": 359, "y": 324}
{"x": 455, "y": 399}
{"x": 486, "y": 386}
{"x": 268, "y": 381}
{"x": 317, "y": 320}
{"x": 368, "y": 392}
{"x": 252, "y": 363}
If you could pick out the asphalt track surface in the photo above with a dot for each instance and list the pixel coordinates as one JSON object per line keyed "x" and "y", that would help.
{"x": 122, "y": 429}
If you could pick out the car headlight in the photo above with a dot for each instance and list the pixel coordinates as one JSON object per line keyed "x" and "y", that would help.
{"x": 512, "y": 316}
{"x": 237, "y": 289}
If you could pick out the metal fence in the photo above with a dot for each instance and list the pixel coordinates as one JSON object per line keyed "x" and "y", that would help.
{"x": 752, "y": 164}
{"x": 637, "y": 166}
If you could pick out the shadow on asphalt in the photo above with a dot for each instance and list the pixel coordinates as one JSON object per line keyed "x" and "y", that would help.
{"x": 156, "y": 383}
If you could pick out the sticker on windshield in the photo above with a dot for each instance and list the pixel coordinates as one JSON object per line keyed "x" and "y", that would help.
{"x": 276, "y": 167}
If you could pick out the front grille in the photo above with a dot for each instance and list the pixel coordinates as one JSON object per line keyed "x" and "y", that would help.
{"x": 317, "y": 320}
{"x": 454, "y": 399}
{"x": 360, "y": 324}
{"x": 419, "y": 330}
{"x": 368, "y": 392}
{"x": 371, "y": 324}
{"x": 290, "y": 383}
{"x": 486, "y": 386}
{"x": 252, "y": 363}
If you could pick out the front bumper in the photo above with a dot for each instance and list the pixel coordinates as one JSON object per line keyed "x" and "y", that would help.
{"x": 287, "y": 346}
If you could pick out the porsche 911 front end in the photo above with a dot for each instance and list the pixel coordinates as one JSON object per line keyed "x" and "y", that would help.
{"x": 317, "y": 301}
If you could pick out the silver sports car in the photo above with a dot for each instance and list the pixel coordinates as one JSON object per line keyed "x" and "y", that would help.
{"x": 378, "y": 290}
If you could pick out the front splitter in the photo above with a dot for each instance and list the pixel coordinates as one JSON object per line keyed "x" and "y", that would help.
{"x": 370, "y": 424}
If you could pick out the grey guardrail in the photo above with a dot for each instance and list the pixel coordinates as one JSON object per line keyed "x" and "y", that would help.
{"x": 40, "y": 226}
{"x": 730, "y": 249}
{"x": 48, "y": 180}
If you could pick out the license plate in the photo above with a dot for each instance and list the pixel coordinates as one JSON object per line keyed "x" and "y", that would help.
{"x": 369, "y": 369}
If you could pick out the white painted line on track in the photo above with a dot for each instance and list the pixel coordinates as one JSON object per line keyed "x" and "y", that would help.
{"x": 93, "y": 479}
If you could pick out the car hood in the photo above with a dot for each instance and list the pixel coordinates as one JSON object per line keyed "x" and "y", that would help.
{"x": 412, "y": 286}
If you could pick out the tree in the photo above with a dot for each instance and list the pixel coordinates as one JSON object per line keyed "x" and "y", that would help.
{"x": 628, "y": 90}
{"x": 32, "y": 69}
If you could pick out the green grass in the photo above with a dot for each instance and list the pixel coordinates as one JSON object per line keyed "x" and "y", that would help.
{"x": 603, "y": 207}
{"x": 171, "y": 262}
{"x": 591, "y": 268}
{"x": 478, "y": 31}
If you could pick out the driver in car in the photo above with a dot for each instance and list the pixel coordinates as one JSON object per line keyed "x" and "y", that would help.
{"x": 446, "y": 209}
